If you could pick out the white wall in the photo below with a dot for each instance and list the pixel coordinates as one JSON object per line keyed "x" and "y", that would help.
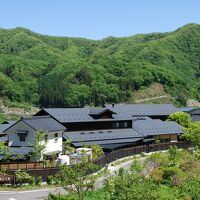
{"x": 51, "y": 147}
{"x": 13, "y": 138}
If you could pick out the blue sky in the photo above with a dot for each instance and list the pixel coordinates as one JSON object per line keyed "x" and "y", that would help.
{"x": 98, "y": 19}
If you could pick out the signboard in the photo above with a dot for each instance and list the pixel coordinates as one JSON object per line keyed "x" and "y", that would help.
{"x": 7, "y": 179}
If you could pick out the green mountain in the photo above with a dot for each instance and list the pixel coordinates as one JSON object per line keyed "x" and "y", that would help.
{"x": 59, "y": 71}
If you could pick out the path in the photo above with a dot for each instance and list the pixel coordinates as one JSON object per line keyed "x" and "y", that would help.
{"x": 152, "y": 98}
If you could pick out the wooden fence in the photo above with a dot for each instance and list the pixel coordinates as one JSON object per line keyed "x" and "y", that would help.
{"x": 40, "y": 170}
{"x": 115, "y": 155}
{"x": 44, "y": 173}
{"x": 21, "y": 165}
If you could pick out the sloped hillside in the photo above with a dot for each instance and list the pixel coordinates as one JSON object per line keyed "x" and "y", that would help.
{"x": 60, "y": 71}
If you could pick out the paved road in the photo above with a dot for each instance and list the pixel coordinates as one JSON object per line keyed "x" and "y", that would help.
{"x": 29, "y": 195}
{"x": 43, "y": 194}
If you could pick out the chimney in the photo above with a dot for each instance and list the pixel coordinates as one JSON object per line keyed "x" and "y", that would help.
{"x": 113, "y": 105}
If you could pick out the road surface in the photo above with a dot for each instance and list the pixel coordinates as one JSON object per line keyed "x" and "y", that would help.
{"x": 29, "y": 195}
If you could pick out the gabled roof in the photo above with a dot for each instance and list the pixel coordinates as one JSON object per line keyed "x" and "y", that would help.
{"x": 3, "y": 127}
{"x": 65, "y": 115}
{"x": 9, "y": 122}
{"x": 98, "y": 111}
{"x": 132, "y": 110}
{"x": 119, "y": 112}
{"x": 150, "y": 127}
{"x": 45, "y": 123}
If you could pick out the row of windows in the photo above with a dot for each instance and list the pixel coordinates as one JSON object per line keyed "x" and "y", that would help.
{"x": 119, "y": 124}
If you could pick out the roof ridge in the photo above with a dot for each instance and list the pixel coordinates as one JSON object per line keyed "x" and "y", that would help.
{"x": 35, "y": 117}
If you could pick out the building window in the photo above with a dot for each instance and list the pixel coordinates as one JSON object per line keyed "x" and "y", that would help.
{"x": 22, "y": 136}
{"x": 56, "y": 137}
{"x": 113, "y": 125}
{"x": 117, "y": 124}
{"x": 125, "y": 124}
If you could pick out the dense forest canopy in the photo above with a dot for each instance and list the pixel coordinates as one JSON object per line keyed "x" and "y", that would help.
{"x": 62, "y": 71}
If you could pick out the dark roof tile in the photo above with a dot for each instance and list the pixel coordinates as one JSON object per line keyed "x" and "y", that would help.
{"x": 46, "y": 123}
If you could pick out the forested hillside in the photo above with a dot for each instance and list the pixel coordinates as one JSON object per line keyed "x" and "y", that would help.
{"x": 61, "y": 71}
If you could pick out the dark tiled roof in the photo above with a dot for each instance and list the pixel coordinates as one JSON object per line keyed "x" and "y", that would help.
{"x": 143, "y": 109}
{"x": 20, "y": 150}
{"x": 151, "y": 127}
{"x": 70, "y": 114}
{"x": 98, "y": 111}
{"x": 185, "y": 109}
{"x": 4, "y": 138}
{"x": 46, "y": 123}
{"x": 123, "y": 112}
{"x": 3, "y": 127}
{"x": 113, "y": 134}
{"x": 195, "y": 118}
{"x": 9, "y": 122}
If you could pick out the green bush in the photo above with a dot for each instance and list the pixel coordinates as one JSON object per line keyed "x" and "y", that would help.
{"x": 51, "y": 180}
{"x": 23, "y": 177}
{"x": 38, "y": 180}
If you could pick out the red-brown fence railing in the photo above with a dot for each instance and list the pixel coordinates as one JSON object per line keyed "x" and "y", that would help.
{"x": 21, "y": 165}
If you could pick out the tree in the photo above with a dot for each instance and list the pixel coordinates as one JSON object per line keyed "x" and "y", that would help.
{"x": 193, "y": 133}
{"x": 5, "y": 152}
{"x": 181, "y": 118}
{"x": 126, "y": 186}
{"x": 67, "y": 148}
{"x": 174, "y": 155}
{"x": 77, "y": 179}
{"x": 39, "y": 145}
{"x": 96, "y": 151}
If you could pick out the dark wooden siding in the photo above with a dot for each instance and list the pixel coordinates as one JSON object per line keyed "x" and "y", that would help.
{"x": 98, "y": 125}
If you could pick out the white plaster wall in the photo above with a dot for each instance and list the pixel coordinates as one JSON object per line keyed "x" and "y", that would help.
{"x": 13, "y": 138}
{"x": 52, "y": 145}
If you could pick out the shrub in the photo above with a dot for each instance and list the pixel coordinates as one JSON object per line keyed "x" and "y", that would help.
{"x": 173, "y": 175}
{"x": 50, "y": 180}
{"x": 23, "y": 177}
{"x": 38, "y": 180}
{"x": 157, "y": 175}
